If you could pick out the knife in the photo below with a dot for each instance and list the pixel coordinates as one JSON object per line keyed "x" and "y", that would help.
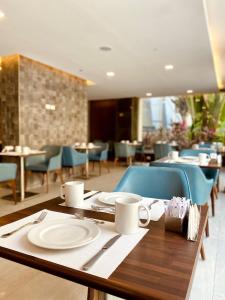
{"x": 85, "y": 198}
{"x": 91, "y": 261}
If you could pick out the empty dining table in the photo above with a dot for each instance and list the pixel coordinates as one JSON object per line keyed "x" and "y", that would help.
{"x": 87, "y": 148}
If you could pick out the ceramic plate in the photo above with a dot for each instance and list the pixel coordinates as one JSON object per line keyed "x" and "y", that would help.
{"x": 63, "y": 234}
{"x": 110, "y": 198}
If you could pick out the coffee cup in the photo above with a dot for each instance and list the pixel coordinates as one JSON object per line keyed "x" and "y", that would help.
{"x": 127, "y": 218}
{"x": 213, "y": 156}
{"x": 18, "y": 149}
{"x": 90, "y": 145}
{"x": 173, "y": 155}
{"x": 73, "y": 193}
{"x": 203, "y": 158}
{"x": 83, "y": 144}
{"x": 195, "y": 146}
{"x": 26, "y": 150}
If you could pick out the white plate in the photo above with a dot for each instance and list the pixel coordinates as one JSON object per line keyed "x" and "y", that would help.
{"x": 110, "y": 198}
{"x": 63, "y": 234}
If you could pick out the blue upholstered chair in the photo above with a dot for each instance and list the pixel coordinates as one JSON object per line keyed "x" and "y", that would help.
{"x": 154, "y": 182}
{"x": 161, "y": 150}
{"x": 140, "y": 151}
{"x": 123, "y": 150}
{"x": 205, "y": 145}
{"x": 200, "y": 186}
{"x": 209, "y": 172}
{"x": 8, "y": 176}
{"x": 100, "y": 155}
{"x": 72, "y": 158}
{"x": 44, "y": 164}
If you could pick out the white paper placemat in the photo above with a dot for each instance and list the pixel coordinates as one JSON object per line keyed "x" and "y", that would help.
{"x": 157, "y": 209}
{"x": 74, "y": 258}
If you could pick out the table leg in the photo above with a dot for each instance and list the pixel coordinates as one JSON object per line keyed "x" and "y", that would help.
{"x": 96, "y": 295}
{"x": 87, "y": 165}
{"x": 22, "y": 193}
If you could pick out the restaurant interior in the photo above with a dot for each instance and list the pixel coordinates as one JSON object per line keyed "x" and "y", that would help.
{"x": 112, "y": 150}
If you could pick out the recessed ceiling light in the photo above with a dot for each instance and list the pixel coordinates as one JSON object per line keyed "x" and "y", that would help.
{"x": 148, "y": 94}
{"x": 189, "y": 91}
{"x": 110, "y": 74}
{"x": 105, "y": 48}
{"x": 169, "y": 67}
{"x": 2, "y": 14}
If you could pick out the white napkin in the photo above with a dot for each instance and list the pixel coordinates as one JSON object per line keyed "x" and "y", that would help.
{"x": 74, "y": 258}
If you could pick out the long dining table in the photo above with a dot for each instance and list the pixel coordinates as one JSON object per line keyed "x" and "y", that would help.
{"x": 161, "y": 266}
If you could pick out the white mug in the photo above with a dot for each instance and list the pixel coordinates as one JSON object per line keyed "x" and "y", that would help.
{"x": 18, "y": 149}
{"x": 173, "y": 155}
{"x": 26, "y": 150}
{"x": 73, "y": 193}
{"x": 127, "y": 218}
{"x": 203, "y": 158}
{"x": 195, "y": 146}
{"x": 213, "y": 156}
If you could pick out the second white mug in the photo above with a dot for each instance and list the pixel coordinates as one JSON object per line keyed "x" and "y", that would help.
{"x": 173, "y": 155}
{"x": 73, "y": 193}
{"x": 203, "y": 158}
{"x": 127, "y": 218}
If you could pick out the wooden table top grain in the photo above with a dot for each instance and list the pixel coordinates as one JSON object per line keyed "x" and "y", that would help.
{"x": 161, "y": 266}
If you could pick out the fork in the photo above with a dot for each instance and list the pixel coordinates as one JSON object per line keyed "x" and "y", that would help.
{"x": 103, "y": 208}
{"x": 78, "y": 216}
{"x": 37, "y": 221}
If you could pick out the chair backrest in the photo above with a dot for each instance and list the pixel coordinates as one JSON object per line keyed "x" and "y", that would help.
{"x": 124, "y": 150}
{"x": 161, "y": 150}
{"x": 195, "y": 152}
{"x": 155, "y": 182}
{"x": 205, "y": 145}
{"x": 7, "y": 171}
{"x": 52, "y": 150}
{"x": 71, "y": 157}
{"x": 200, "y": 186}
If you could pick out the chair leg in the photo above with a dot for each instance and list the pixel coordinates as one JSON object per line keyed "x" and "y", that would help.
{"x": 215, "y": 191}
{"x": 202, "y": 252}
{"x": 100, "y": 167}
{"x": 213, "y": 202}
{"x": 207, "y": 228}
{"x": 115, "y": 161}
{"x": 14, "y": 191}
{"x": 61, "y": 176}
{"x": 47, "y": 181}
{"x": 107, "y": 165}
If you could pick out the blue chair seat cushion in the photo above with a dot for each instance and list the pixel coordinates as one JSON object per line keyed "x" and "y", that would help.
{"x": 41, "y": 167}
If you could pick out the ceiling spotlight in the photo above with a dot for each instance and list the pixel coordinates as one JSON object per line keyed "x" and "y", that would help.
{"x": 189, "y": 91}
{"x": 169, "y": 67}
{"x": 110, "y": 74}
{"x": 2, "y": 14}
{"x": 148, "y": 94}
{"x": 105, "y": 48}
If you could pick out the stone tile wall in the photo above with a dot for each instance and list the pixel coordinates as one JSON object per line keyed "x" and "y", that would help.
{"x": 9, "y": 109}
{"x": 40, "y": 85}
{"x": 24, "y": 119}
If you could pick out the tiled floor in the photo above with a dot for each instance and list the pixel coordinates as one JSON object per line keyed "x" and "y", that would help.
{"x": 19, "y": 282}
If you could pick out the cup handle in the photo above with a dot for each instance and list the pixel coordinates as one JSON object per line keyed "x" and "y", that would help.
{"x": 62, "y": 194}
{"x": 170, "y": 155}
{"x": 148, "y": 216}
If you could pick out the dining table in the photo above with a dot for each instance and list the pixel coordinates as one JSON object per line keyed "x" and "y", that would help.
{"x": 161, "y": 266}
{"x": 211, "y": 164}
{"x": 22, "y": 156}
{"x": 87, "y": 148}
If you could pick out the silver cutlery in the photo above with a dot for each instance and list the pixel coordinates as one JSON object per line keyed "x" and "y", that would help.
{"x": 85, "y": 198}
{"x": 150, "y": 205}
{"x": 78, "y": 216}
{"x": 91, "y": 261}
{"x": 37, "y": 221}
{"x": 103, "y": 208}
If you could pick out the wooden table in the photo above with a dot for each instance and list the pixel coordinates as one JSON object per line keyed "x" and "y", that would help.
{"x": 22, "y": 156}
{"x": 86, "y": 149}
{"x": 161, "y": 266}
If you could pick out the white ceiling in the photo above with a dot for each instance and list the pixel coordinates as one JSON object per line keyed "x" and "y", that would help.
{"x": 144, "y": 36}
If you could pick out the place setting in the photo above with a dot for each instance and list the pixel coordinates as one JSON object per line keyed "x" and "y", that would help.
{"x": 84, "y": 244}
{"x": 73, "y": 194}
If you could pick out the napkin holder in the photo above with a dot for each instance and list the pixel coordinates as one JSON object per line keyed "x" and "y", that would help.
{"x": 176, "y": 224}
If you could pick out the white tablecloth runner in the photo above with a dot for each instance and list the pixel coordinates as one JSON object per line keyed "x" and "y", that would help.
{"x": 157, "y": 209}
{"x": 74, "y": 258}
